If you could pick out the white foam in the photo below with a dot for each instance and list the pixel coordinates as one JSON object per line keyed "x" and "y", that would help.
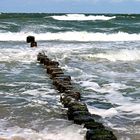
{"x": 119, "y": 102}
{"x": 110, "y": 88}
{"x": 20, "y": 55}
{"x": 82, "y": 17}
{"x": 10, "y": 23}
{"x": 114, "y": 97}
{"x": 74, "y": 132}
{"x": 71, "y": 36}
{"x": 3, "y": 26}
{"x": 90, "y": 85}
{"x": 130, "y": 108}
{"x": 103, "y": 112}
{"x": 122, "y": 55}
{"x": 51, "y": 27}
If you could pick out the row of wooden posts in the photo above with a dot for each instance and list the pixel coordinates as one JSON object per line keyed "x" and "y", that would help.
{"x": 70, "y": 98}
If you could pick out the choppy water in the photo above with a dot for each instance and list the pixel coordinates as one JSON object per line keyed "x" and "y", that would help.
{"x": 100, "y": 52}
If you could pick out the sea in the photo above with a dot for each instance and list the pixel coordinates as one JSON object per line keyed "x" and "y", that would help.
{"x": 101, "y": 52}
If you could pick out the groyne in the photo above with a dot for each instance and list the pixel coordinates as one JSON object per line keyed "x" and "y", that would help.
{"x": 77, "y": 111}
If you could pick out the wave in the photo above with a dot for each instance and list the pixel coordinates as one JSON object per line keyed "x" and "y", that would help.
{"x": 9, "y": 55}
{"x": 122, "y": 55}
{"x": 10, "y": 23}
{"x": 82, "y": 17}
{"x": 3, "y": 26}
{"x": 71, "y": 36}
{"x": 73, "y": 131}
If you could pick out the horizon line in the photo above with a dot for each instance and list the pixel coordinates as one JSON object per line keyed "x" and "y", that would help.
{"x": 66, "y": 13}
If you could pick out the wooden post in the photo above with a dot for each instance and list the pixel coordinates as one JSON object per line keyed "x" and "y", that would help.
{"x": 33, "y": 44}
{"x": 30, "y": 39}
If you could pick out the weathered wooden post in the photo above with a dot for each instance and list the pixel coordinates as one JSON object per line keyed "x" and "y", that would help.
{"x": 31, "y": 39}
{"x": 33, "y": 44}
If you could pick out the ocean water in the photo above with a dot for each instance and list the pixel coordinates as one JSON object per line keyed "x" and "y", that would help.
{"x": 101, "y": 52}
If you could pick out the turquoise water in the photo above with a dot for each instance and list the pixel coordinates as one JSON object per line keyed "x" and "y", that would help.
{"x": 100, "y": 52}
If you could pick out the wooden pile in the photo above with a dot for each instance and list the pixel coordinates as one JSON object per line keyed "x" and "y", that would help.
{"x": 70, "y": 98}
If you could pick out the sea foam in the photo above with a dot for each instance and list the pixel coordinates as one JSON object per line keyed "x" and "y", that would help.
{"x": 20, "y": 55}
{"x": 82, "y": 17}
{"x": 70, "y": 132}
{"x": 71, "y": 36}
{"x": 122, "y": 55}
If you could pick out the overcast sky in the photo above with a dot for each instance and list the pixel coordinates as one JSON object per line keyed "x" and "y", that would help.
{"x": 71, "y": 6}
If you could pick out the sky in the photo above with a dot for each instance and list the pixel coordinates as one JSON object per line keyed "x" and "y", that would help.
{"x": 70, "y": 6}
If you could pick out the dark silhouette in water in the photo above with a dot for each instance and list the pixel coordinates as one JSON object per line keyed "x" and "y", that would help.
{"x": 31, "y": 39}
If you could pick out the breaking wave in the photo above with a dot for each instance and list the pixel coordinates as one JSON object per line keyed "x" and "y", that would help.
{"x": 82, "y": 17}
{"x": 122, "y": 55}
{"x": 16, "y": 133}
{"x": 71, "y": 36}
